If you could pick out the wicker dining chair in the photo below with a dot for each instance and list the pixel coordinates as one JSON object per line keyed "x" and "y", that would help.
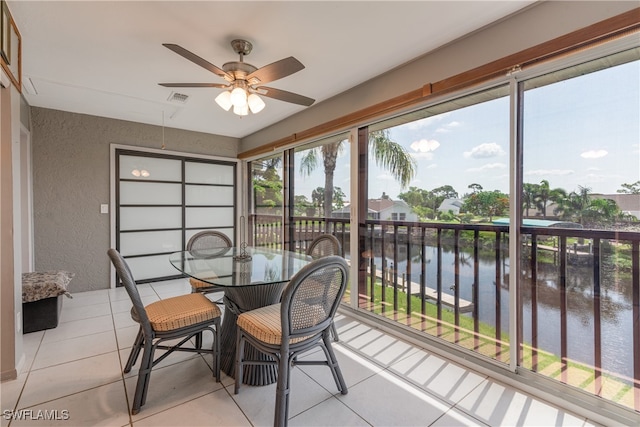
{"x": 324, "y": 245}
{"x": 206, "y": 240}
{"x": 301, "y": 321}
{"x": 321, "y": 246}
{"x": 185, "y": 317}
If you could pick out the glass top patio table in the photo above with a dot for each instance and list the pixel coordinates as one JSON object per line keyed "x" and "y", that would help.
{"x": 247, "y": 284}
{"x": 219, "y": 266}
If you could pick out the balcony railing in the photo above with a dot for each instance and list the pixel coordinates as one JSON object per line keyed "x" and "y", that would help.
{"x": 578, "y": 293}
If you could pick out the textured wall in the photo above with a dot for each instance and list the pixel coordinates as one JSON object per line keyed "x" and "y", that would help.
{"x": 71, "y": 179}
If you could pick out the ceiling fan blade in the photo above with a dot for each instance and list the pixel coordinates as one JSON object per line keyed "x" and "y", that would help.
{"x": 218, "y": 85}
{"x": 197, "y": 60}
{"x": 283, "y": 95}
{"x": 276, "y": 70}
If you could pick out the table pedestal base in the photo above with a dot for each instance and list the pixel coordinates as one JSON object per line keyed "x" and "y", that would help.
{"x": 237, "y": 300}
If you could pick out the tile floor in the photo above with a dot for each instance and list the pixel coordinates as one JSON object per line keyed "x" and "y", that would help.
{"x": 76, "y": 369}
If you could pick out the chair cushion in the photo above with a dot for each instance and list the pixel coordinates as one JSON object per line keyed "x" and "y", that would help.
{"x": 199, "y": 284}
{"x": 181, "y": 311}
{"x": 264, "y": 324}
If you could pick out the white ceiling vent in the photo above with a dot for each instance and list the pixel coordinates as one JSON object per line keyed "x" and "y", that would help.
{"x": 180, "y": 98}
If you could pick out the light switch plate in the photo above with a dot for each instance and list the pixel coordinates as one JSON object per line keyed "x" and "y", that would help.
{"x": 104, "y": 208}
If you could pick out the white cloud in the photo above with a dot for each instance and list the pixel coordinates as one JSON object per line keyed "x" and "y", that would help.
{"x": 594, "y": 154}
{"x": 432, "y": 166}
{"x": 544, "y": 172}
{"x": 425, "y": 145}
{"x": 489, "y": 166}
{"x": 483, "y": 151}
{"x": 426, "y": 156}
{"x": 448, "y": 127}
{"x": 427, "y": 121}
{"x": 385, "y": 177}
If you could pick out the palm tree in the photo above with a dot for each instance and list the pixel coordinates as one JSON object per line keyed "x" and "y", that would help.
{"x": 529, "y": 192}
{"x": 387, "y": 153}
{"x": 573, "y": 206}
{"x": 546, "y": 195}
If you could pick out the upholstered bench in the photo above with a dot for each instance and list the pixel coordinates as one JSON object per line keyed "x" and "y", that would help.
{"x": 42, "y": 299}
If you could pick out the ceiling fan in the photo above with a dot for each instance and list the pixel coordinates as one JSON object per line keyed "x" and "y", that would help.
{"x": 244, "y": 81}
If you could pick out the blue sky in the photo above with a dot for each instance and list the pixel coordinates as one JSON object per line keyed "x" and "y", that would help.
{"x": 578, "y": 132}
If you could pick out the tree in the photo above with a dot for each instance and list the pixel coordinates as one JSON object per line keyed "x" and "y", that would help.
{"x": 487, "y": 204}
{"x": 387, "y": 153}
{"x": 630, "y": 188}
{"x": 417, "y": 199}
{"x": 572, "y": 206}
{"x": 302, "y": 206}
{"x": 267, "y": 187}
{"x": 440, "y": 194}
{"x": 547, "y": 195}
{"x": 529, "y": 192}
{"x": 475, "y": 188}
{"x": 317, "y": 197}
{"x": 602, "y": 211}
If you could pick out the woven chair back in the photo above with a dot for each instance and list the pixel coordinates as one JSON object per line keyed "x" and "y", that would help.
{"x": 311, "y": 298}
{"x": 126, "y": 277}
{"x": 324, "y": 245}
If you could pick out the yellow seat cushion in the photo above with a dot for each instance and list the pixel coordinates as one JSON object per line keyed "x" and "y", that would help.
{"x": 182, "y": 311}
{"x": 199, "y": 284}
{"x": 264, "y": 324}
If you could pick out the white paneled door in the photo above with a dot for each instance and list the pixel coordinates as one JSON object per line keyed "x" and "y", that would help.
{"x": 163, "y": 200}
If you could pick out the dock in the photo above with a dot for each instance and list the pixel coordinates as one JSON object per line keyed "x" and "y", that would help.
{"x": 431, "y": 294}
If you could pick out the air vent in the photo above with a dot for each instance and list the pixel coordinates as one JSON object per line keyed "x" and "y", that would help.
{"x": 178, "y": 97}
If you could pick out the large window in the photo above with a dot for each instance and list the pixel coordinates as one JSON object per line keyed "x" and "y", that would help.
{"x": 267, "y": 201}
{"x": 502, "y": 223}
{"x": 581, "y": 170}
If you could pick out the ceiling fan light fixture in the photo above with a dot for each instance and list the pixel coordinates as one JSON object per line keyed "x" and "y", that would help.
{"x": 256, "y": 104}
{"x": 241, "y": 111}
{"x": 224, "y": 100}
{"x": 238, "y": 97}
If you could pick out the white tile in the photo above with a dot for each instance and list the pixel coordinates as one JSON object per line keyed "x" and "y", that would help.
{"x": 385, "y": 400}
{"x": 213, "y": 409}
{"x": 126, "y": 336}
{"x": 117, "y": 294}
{"x": 354, "y": 368}
{"x": 331, "y": 412}
{"x": 123, "y": 320}
{"x": 386, "y": 377}
{"x": 174, "y": 385}
{"x": 172, "y": 359}
{"x": 124, "y": 305}
{"x": 80, "y": 312}
{"x": 377, "y": 345}
{"x": 258, "y": 402}
{"x": 30, "y": 345}
{"x": 101, "y": 406}
{"x": 496, "y": 404}
{"x": 120, "y": 293}
{"x": 47, "y": 384}
{"x": 54, "y": 353}
{"x": 78, "y": 328}
{"x": 10, "y": 392}
{"x": 387, "y": 349}
{"x": 86, "y": 298}
{"x": 439, "y": 377}
{"x": 455, "y": 418}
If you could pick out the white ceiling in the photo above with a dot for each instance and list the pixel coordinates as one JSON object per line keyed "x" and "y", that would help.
{"x": 106, "y": 58}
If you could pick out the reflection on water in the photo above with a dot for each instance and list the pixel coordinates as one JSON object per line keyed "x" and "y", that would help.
{"x": 615, "y": 302}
